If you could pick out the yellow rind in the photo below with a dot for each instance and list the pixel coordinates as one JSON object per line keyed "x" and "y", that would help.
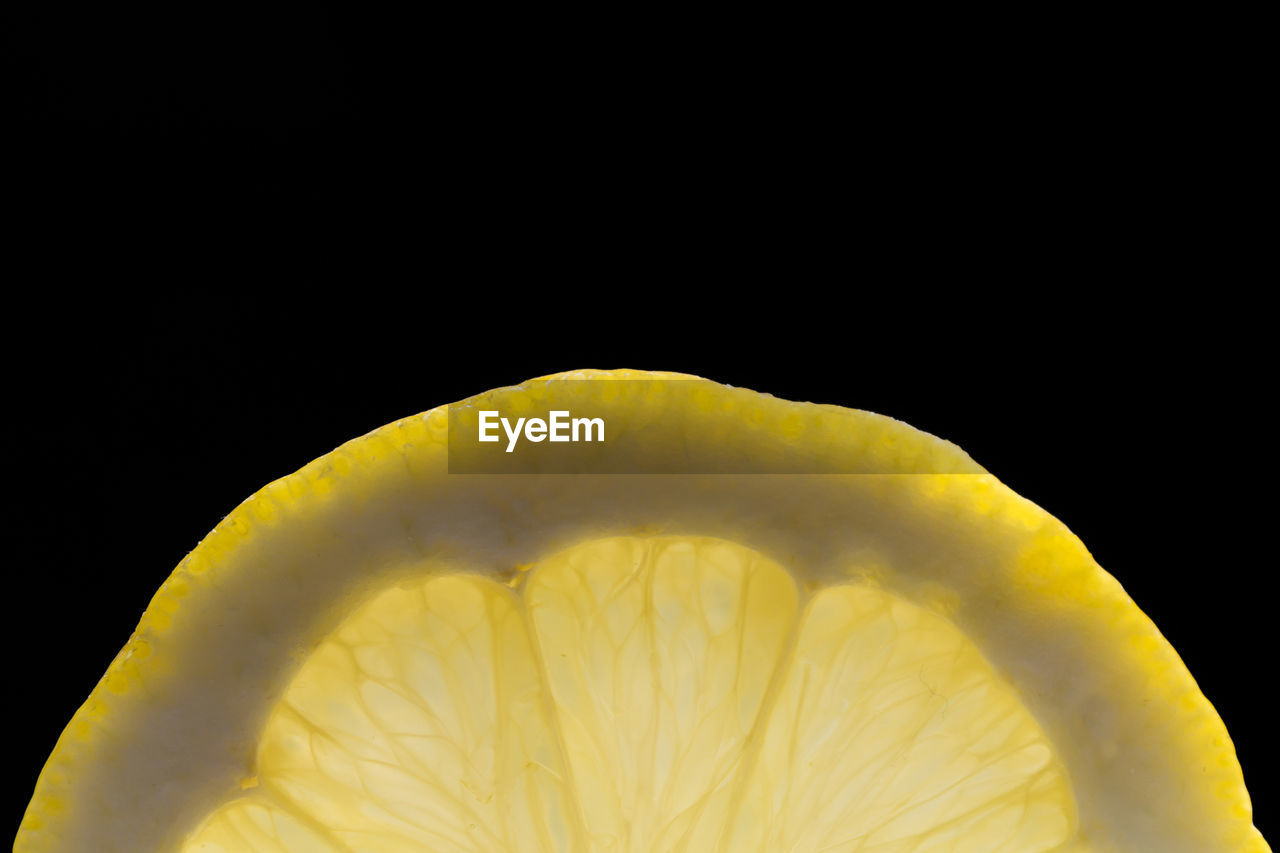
{"x": 1151, "y": 761}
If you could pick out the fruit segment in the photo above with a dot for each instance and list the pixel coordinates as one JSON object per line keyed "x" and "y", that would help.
{"x": 891, "y": 733}
{"x": 658, "y": 655}
{"x": 421, "y": 725}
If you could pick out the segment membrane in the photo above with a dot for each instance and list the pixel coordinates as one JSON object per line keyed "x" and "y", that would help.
{"x": 647, "y": 695}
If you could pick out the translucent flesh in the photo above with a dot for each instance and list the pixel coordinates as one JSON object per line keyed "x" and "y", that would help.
{"x": 641, "y": 695}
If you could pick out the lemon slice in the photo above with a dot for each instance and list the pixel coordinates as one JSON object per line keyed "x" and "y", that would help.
{"x": 733, "y": 624}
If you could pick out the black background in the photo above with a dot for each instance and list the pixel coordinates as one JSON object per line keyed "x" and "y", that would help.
{"x": 249, "y": 238}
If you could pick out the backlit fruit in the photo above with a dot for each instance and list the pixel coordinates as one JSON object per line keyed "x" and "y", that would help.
{"x": 733, "y": 624}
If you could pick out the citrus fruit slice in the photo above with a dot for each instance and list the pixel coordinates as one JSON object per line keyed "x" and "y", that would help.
{"x": 723, "y": 622}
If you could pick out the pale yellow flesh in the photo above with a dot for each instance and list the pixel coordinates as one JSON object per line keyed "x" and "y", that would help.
{"x": 646, "y": 694}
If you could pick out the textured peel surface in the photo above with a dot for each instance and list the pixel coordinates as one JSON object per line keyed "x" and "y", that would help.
{"x": 640, "y": 695}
